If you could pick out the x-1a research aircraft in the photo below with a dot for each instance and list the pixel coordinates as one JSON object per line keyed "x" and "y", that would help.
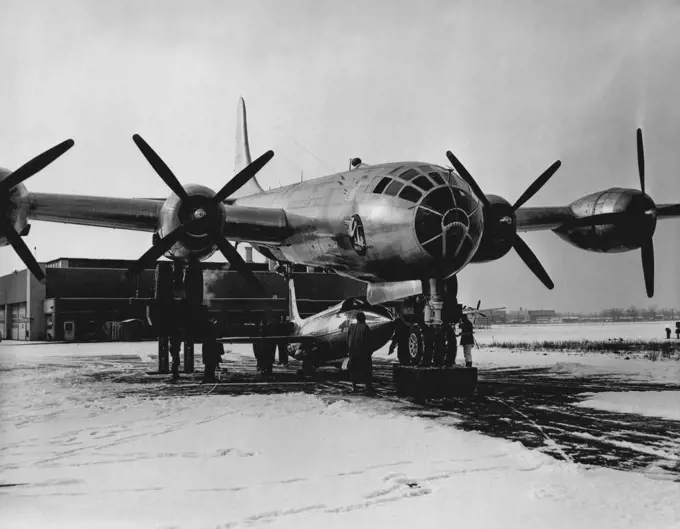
{"x": 321, "y": 339}
{"x": 406, "y": 228}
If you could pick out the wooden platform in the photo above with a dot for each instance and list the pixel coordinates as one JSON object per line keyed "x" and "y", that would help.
{"x": 434, "y": 382}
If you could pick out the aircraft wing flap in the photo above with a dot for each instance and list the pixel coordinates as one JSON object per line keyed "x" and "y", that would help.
{"x": 542, "y": 218}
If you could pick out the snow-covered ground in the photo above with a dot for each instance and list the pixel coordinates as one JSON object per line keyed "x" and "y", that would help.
{"x": 664, "y": 404}
{"x": 75, "y": 452}
{"x": 645, "y": 330}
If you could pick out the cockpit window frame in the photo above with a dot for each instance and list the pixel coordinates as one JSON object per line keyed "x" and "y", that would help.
{"x": 422, "y": 180}
{"x": 396, "y": 185}
{"x": 415, "y": 194}
{"x": 382, "y": 184}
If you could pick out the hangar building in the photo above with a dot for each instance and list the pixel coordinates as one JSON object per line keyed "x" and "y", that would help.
{"x": 81, "y": 296}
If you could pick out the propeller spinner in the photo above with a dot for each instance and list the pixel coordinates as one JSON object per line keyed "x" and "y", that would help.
{"x": 203, "y": 218}
{"x": 23, "y": 173}
{"x": 519, "y": 245}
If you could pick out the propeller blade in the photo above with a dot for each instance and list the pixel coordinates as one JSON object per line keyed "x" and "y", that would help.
{"x": 641, "y": 160}
{"x": 236, "y": 261}
{"x": 160, "y": 167}
{"x": 157, "y": 250}
{"x": 538, "y": 184}
{"x": 532, "y": 262}
{"x": 463, "y": 172}
{"x": 668, "y": 210}
{"x": 647, "y": 252}
{"x": 597, "y": 220}
{"x": 21, "y": 249}
{"x": 242, "y": 177}
{"x": 35, "y": 165}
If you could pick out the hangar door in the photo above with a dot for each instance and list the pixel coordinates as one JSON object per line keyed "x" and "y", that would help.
{"x": 17, "y": 321}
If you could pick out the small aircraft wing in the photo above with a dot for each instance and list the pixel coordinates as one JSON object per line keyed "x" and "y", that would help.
{"x": 268, "y": 339}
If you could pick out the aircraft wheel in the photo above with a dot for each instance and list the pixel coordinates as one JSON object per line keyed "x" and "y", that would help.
{"x": 414, "y": 347}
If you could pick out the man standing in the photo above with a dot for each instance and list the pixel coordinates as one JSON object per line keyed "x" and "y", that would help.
{"x": 400, "y": 340}
{"x": 467, "y": 339}
{"x": 212, "y": 354}
{"x": 451, "y": 345}
{"x": 359, "y": 349}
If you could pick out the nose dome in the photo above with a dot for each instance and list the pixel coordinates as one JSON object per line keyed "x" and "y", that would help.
{"x": 448, "y": 225}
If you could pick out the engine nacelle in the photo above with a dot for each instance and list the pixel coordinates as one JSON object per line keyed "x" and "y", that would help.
{"x": 14, "y": 207}
{"x": 174, "y": 213}
{"x": 636, "y": 225}
{"x": 500, "y": 228}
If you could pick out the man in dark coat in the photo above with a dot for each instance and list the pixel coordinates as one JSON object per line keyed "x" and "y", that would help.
{"x": 400, "y": 340}
{"x": 212, "y": 354}
{"x": 359, "y": 349}
{"x": 467, "y": 339}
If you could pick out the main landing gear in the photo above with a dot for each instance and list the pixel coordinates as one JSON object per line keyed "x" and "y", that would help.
{"x": 430, "y": 338}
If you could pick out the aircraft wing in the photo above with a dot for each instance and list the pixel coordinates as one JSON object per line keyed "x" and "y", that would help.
{"x": 242, "y": 223}
{"x": 140, "y": 214}
{"x": 667, "y": 211}
{"x": 542, "y": 218}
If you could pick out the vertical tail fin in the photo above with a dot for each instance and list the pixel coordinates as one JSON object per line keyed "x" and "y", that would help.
{"x": 292, "y": 303}
{"x": 242, "y": 153}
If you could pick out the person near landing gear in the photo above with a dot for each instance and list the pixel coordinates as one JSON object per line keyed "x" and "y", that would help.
{"x": 359, "y": 349}
{"x": 212, "y": 355}
{"x": 451, "y": 345}
{"x": 400, "y": 340}
{"x": 467, "y": 338}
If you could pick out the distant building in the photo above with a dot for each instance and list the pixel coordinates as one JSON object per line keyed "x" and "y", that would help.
{"x": 541, "y": 316}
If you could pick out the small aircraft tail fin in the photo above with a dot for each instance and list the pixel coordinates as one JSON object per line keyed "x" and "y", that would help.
{"x": 242, "y": 153}
{"x": 292, "y": 303}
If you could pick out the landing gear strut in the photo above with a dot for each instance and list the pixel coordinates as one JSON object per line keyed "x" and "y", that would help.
{"x": 430, "y": 339}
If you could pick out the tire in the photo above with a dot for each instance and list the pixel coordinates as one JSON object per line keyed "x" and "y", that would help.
{"x": 411, "y": 349}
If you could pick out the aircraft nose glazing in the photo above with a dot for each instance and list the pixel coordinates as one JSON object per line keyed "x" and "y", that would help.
{"x": 448, "y": 225}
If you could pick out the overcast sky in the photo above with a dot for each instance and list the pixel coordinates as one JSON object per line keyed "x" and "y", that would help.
{"x": 508, "y": 86}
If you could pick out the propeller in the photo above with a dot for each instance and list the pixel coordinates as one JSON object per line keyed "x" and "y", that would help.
{"x": 15, "y": 178}
{"x": 519, "y": 245}
{"x": 647, "y": 248}
{"x": 203, "y": 218}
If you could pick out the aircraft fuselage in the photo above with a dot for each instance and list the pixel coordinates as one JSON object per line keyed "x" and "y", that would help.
{"x": 386, "y": 222}
{"x": 328, "y": 329}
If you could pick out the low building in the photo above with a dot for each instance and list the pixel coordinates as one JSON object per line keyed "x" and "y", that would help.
{"x": 82, "y": 298}
{"x": 541, "y": 316}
